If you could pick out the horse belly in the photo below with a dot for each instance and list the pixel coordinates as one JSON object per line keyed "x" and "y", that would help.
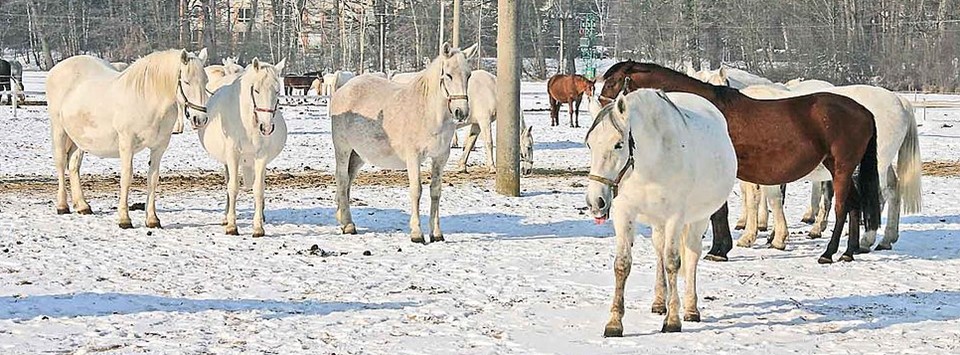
{"x": 379, "y": 156}
{"x": 97, "y": 139}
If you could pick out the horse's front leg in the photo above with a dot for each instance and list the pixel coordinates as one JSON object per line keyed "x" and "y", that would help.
{"x": 233, "y": 188}
{"x": 79, "y": 202}
{"x": 468, "y": 146}
{"x": 576, "y": 112}
{"x": 671, "y": 264}
{"x": 774, "y": 196}
{"x": 126, "y": 176}
{"x": 826, "y": 203}
{"x": 153, "y": 179}
{"x": 259, "y": 184}
{"x": 487, "y": 134}
{"x": 751, "y": 202}
{"x": 816, "y": 191}
{"x": 436, "y": 183}
{"x": 178, "y": 126}
{"x": 623, "y": 226}
{"x": 570, "y": 111}
{"x": 413, "y": 174}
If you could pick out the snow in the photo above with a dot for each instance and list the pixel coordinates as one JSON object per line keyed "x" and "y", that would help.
{"x": 527, "y": 275}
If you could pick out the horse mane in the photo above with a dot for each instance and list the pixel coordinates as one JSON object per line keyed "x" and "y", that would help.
{"x": 154, "y": 73}
{"x": 603, "y": 113}
{"x": 428, "y": 82}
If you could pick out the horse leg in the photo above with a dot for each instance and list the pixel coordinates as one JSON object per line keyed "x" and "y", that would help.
{"x": 842, "y": 183}
{"x": 623, "y": 225}
{"x": 554, "y": 112}
{"x": 816, "y": 191}
{"x": 226, "y": 182}
{"x": 455, "y": 142}
{"x": 178, "y": 126}
{"x": 671, "y": 263}
{"x": 825, "y": 202}
{"x": 487, "y": 134}
{"x": 233, "y": 187}
{"x": 774, "y": 195}
{"x": 436, "y": 183}
{"x": 61, "y": 150}
{"x": 126, "y": 177}
{"x": 413, "y": 174}
{"x": 576, "y": 112}
{"x": 689, "y": 256}
{"x": 742, "y": 221}
{"x": 892, "y": 231}
{"x": 343, "y": 157}
{"x": 722, "y": 241}
{"x": 763, "y": 211}
{"x": 260, "y": 171}
{"x": 468, "y": 146}
{"x": 751, "y": 201}
{"x": 570, "y": 112}
{"x": 153, "y": 179}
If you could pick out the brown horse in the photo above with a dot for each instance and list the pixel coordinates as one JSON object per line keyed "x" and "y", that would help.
{"x": 780, "y": 141}
{"x": 567, "y": 89}
{"x": 291, "y": 82}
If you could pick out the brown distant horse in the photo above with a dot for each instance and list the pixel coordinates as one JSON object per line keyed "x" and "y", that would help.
{"x": 780, "y": 141}
{"x": 567, "y": 89}
{"x": 291, "y": 82}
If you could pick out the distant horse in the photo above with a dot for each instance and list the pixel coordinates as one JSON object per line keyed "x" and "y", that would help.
{"x": 292, "y": 82}
{"x": 397, "y": 126}
{"x": 780, "y": 141}
{"x": 567, "y": 89}
{"x": 482, "y": 90}
{"x": 666, "y": 160}
{"x": 246, "y": 131}
{"x": 120, "y": 66}
{"x": 96, "y": 109}
{"x": 898, "y": 156}
{"x": 11, "y": 72}
{"x": 801, "y": 85}
{"x": 334, "y": 81}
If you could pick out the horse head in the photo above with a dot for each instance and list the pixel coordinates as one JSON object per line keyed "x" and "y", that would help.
{"x": 191, "y": 87}
{"x": 611, "y": 154}
{"x": 526, "y": 150}
{"x": 453, "y": 72}
{"x": 261, "y": 83}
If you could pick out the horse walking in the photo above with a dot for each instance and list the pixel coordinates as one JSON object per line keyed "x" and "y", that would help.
{"x": 567, "y": 89}
{"x": 665, "y": 160}
{"x": 246, "y": 131}
{"x": 140, "y": 111}
{"x": 398, "y": 126}
{"x": 780, "y": 141}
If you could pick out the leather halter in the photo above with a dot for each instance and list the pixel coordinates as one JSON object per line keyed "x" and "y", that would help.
{"x": 271, "y": 111}
{"x": 450, "y": 98}
{"x": 615, "y": 184}
{"x": 189, "y": 105}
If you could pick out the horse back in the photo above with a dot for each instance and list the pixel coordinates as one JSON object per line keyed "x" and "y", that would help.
{"x": 563, "y": 88}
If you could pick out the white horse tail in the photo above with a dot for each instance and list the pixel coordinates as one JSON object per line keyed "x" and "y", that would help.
{"x": 909, "y": 165}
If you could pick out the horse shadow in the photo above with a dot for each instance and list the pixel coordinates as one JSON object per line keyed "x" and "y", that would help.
{"x": 91, "y": 304}
{"x": 559, "y": 145}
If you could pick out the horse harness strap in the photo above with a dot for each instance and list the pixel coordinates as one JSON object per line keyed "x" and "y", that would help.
{"x": 450, "y": 98}
{"x": 186, "y": 100}
{"x": 615, "y": 184}
{"x": 261, "y": 109}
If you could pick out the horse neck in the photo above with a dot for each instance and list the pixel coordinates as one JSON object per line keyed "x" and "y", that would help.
{"x": 428, "y": 91}
{"x": 152, "y": 80}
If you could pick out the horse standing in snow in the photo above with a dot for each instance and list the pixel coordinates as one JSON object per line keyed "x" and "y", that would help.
{"x": 666, "y": 160}
{"x": 567, "y": 89}
{"x": 246, "y": 131}
{"x": 140, "y": 113}
{"x": 11, "y": 73}
{"x": 398, "y": 126}
{"x": 217, "y": 76}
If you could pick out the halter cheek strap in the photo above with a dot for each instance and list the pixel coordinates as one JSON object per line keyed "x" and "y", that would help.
{"x": 615, "y": 184}
{"x": 257, "y": 109}
{"x": 450, "y": 98}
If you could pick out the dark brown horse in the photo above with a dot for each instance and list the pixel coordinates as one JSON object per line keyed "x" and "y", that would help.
{"x": 291, "y": 82}
{"x": 567, "y": 89}
{"x": 780, "y": 141}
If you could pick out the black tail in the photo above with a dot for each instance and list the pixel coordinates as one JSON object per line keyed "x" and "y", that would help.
{"x": 868, "y": 181}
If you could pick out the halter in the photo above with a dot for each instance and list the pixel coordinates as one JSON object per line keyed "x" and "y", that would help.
{"x": 615, "y": 184}
{"x": 189, "y": 105}
{"x": 450, "y": 98}
{"x": 271, "y": 111}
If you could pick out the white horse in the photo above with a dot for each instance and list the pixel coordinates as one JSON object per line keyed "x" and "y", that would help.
{"x": 246, "y": 131}
{"x": 898, "y": 160}
{"x": 738, "y": 79}
{"x": 482, "y": 90}
{"x": 334, "y": 81}
{"x": 665, "y": 160}
{"x": 120, "y": 66}
{"x": 801, "y": 85}
{"x": 398, "y": 126}
{"x": 217, "y": 76}
{"x": 404, "y": 78}
{"x": 96, "y": 109}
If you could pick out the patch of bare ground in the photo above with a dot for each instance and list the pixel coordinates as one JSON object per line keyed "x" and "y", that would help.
{"x": 941, "y": 168}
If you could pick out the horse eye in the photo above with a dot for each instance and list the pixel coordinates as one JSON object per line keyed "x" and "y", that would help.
{"x": 618, "y": 146}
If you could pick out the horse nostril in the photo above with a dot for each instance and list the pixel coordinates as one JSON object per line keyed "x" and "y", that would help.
{"x": 601, "y": 203}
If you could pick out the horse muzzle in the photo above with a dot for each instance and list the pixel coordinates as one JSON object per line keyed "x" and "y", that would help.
{"x": 198, "y": 121}
{"x": 266, "y": 129}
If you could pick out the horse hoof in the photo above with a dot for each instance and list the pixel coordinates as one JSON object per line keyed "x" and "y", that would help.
{"x": 814, "y": 236}
{"x": 658, "y": 309}
{"x": 258, "y": 233}
{"x": 232, "y": 231}
{"x": 716, "y": 258}
{"x": 824, "y": 260}
{"x": 778, "y": 246}
{"x": 762, "y": 229}
{"x": 63, "y": 210}
{"x": 883, "y": 247}
{"x": 808, "y": 220}
{"x": 613, "y": 331}
{"x": 349, "y": 229}
{"x": 670, "y": 328}
{"x": 739, "y": 227}
{"x": 126, "y": 225}
{"x": 744, "y": 244}
{"x": 692, "y": 317}
{"x": 846, "y": 258}
{"x": 437, "y": 238}
{"x": 863, "y": 250}
{"x": 154, "y": 224}
{"x": 84, "y": 211}
{"x": 417, "y": 238}
{"x": 223, "y": 222}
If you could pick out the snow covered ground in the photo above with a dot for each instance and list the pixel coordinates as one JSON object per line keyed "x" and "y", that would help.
{"x": 527, "y": 275}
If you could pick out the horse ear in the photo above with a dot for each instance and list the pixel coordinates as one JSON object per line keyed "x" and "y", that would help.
{"x": 255, "y": 63}
{"x": 203, "y": 55}
{"x": 184, "y": 56}
{"x": 471, "y": 52}
{"x": 593, "y": 105}
{"x": 280, "y": 65}
{"x": 225, "y": 61}
{"x": 446, "y": 50}
{"x": 723, "y": 72}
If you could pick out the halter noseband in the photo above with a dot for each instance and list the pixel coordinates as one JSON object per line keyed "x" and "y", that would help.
{"x": 450, "y": 98}
{"x": 615, "y": 184}
{"x": 271, "y": 111}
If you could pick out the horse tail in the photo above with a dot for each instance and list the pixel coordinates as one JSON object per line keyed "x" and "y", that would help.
{"x": 909, "y": 166}
{"x": 868, "y": 181}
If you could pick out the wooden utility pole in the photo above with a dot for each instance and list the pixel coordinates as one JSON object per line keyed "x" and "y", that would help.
{"x": 440, "y": 32}
{"x": 381, "y": 14}
{"x": 479, "y": 32}
{"x": 508, "y": 99}
{"x": 456, "y": 23}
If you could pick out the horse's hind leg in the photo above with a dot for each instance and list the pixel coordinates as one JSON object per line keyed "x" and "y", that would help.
{"x": 774, "y": 196}
{"x": 742, "y": 221}
{"x": 816, "y": 191}
{"x": 344, "y": 158}
{"x": 891, "y": 232}
{"x": 468, "y": 146}
{"x": 486, "y": 133}
{"x": 576, "y": 113}
{"x": 689, "y": 256}
{"x": 436, "y": 183}
{"x": 79, "y": 202}
{"x": 570, "y": 112}
{"x": 843, "y": 186}
{"x": 752, "y": 197}
{"x": 126, "y": 177}
{"x": 233, "y": 188}
{"x": 671, "y": 263}
{"x": 624, "y": 230}
{"x": 153, "y": 180}
{"x": 554, "y": 112}
{"x": 826, "y": 200}
{"x": 260, "y": 171}
{"x": 61, "y": 148}
{"x": 722, "y": 240}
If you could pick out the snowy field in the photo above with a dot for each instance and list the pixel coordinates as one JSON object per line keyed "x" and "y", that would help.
{"x": 528, "y": 275}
